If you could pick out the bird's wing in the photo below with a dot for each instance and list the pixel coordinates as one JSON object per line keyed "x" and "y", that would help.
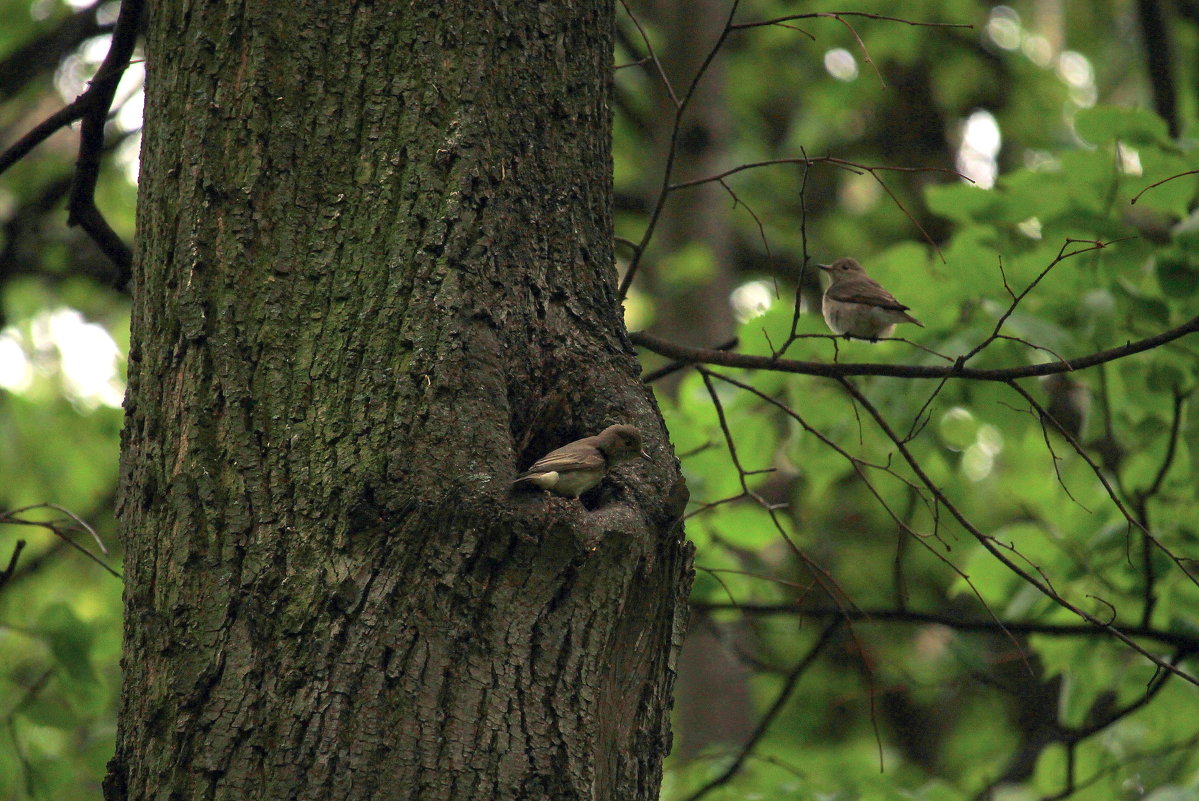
{"x": 575, "y": 456}
{"x": 867, "y": 291}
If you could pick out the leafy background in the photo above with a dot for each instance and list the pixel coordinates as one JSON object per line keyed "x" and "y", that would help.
{"x": 1048, "y": 104}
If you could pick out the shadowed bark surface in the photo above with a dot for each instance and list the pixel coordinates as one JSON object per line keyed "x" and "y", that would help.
{"x": 374, "y": 280}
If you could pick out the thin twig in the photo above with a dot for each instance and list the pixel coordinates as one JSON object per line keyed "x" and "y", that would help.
{"x": 992, "y": 547}
{"x": 1159, "y": 183}
{"x": 1062, "y": 255}
{"x": 11, "y": 518}
{"x": 652, "y": 55}
{"x": 1132, "y": 519}
{"x": 815, "y": 14}
{"x": 7, "y": 572}
{"x": 780, "y": 700}
{"x": 672, "y": 153}
{"x": 850, "y": 166}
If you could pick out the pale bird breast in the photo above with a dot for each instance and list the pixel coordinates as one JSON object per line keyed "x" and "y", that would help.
{"x": 574, "y": 483}
{"x": 547, "y": 481}
{"x": 859, "y": 319}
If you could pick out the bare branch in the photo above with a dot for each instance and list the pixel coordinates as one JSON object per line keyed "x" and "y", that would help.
{"x": 92, "y": 108}
{"x": 652, "y": 55}
{"x": 41, "y": 54}
{"x": 7, "y": 572}
{"x": 1184, "y": 642}
{"x": 911, "y": 217}
{"x": 796, "y": 309}
{"x": 1138, "y": 522}
{"x": 681, "y": 108}
{"x": 780, "y": 700}
{"x": 56, "y": 527}
{"x": 1155, "y": 485}
{"x": 639, "y": 62}
{"x": 993, "y": 548}
{"x": 849, "y": 166}
{"x": 81, "y": 205}
{"x": 1140, "y": 502}
{"x": 1062, "y": 255}
{"x": 693, "y": 355}
{"x": 1159, "y": 183}
{"x": 830, "y": 14}
{"x": 856, "y": 463}
{"x": 673, "y": 367}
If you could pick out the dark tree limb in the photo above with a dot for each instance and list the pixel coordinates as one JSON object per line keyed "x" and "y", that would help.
{"x": 1185, "y": 643}
{"x": 675, "y": 366}
{"x": 1155, "y": 29}
{"x": 44, "y": 129}
{"x": 693, "y": 355}
{"x": 81, "y": 205}
{"x": 25, "y": 236}
{"x": 7, "y": 572}
{"x": 92, "y": 109}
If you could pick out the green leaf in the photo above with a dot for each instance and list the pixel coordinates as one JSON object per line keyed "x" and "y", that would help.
{"x": 1136, "y": 126}
{"x": 1040, "y": 194}
{"x": 51, "y": 709}
{"x": 761, "y": 335}
{"x": 70, "y": 641}
{"x": 964, "y": 202}
{"x": 744, "y": 524}
{"x": 690, "y": 265}
{"x": 1176, "y": 274}
{"x": 1143, "y": 307}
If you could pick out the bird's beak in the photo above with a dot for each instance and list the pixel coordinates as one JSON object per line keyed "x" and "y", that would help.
{"x": 825, "y": 267}
{"x": 643, "y": 455}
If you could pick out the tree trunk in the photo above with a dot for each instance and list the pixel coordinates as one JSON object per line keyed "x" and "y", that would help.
{"x": 694, "y": 309}
{"x": 697, "y": 311}
{"x": 374, "y": 280}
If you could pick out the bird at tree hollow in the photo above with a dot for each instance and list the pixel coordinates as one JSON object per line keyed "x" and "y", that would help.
{"x": 577, "y": 467}
{"x": 855, "y": 305}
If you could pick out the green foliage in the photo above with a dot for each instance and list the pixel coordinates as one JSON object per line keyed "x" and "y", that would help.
{"x": 61, "y": 378}
{"x": 1069, "y": 170}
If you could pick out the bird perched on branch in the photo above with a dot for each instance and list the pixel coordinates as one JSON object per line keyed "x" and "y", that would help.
{"x": 855, "y": 305}
{"x": 577, "y": 467}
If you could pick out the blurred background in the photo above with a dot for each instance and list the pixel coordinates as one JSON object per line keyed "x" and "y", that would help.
{"x": 1058, "y": 112}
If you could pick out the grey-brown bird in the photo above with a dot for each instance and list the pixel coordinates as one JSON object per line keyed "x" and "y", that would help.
{"x": 578, "y": 466}
{"x": 855, "y": 305}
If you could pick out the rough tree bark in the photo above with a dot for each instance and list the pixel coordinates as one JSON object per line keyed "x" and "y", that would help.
{"x": 374, "y": 279}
